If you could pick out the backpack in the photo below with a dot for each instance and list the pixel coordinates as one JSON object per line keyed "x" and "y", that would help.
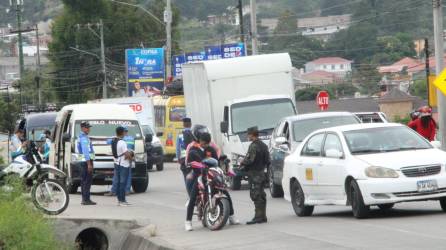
{"x": 114, "y": 146}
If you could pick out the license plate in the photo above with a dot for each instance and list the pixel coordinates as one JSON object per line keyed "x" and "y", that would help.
{"x": 427, "y": 186}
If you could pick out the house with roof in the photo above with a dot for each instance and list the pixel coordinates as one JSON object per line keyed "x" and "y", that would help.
{"x": 323, "y": 27}
{"x": 336, "y": 65}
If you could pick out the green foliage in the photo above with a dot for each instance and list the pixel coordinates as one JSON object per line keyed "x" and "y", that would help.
{"x": 403, "y": 120}
{"x": 21, "y": 225}
{"x": 335, "y": 7}
{"x": 368, "y": 78}
{"x": 419, "y": 88}
{"x": 310, "y": 94}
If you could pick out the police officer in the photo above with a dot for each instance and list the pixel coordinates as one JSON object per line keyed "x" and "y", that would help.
{"x": 254, "y": 163}
{"x": 85, "y": 148}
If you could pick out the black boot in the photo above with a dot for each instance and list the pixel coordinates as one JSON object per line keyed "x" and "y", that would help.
{"x": 256, "y": 219}
{"x": 262, "y": 211}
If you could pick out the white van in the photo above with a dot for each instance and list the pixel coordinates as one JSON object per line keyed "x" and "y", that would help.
{"x": 104, "y": 119}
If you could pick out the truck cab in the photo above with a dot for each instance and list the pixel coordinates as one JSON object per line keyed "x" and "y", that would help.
{"x": 104, "y": 119}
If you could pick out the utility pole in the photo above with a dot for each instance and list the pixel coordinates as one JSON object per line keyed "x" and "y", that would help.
{"x": 439, "y": 65}
{"x": 240, "y": 16}
{"x": 254, "y": 27}
{"x": 168, "y": 21}
{"x": 18, "y": 7}
{"x": 39, "y": 89}
{"x": 426, "y": 54}
{"x": 104, "y": 70}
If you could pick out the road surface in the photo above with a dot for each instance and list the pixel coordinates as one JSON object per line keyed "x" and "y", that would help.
{"x": 417, "y": 225}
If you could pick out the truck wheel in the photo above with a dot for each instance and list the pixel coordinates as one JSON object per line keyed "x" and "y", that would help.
{"x": 149, "y": 165}
{"x": 140, "y": 185}
{"x": 160, "y": 167}
{"x": 236, "y": 182}
{"x": 72, "y": 187}
{"x": 275, "y": 190}
{"x": 443, "y": 203}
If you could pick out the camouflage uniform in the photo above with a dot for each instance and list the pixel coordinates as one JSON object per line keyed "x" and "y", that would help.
{"x": 255, "y": 162}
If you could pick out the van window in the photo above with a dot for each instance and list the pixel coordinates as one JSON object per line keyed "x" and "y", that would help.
{"x": 160, "y": 116}
{"x": 107, "y": 128}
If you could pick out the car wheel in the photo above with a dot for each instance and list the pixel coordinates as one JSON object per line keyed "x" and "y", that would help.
{"x": 360, "y": 210}
{"x": 160, "y": 167}
{"x": 275, "y": 190}
{"x": 386, "y": 206}
{"x": 235, "y": 182}
{"x": 140, "y": 185}
{"x": 298, "y": 201}
{"x": 443, "y": 203}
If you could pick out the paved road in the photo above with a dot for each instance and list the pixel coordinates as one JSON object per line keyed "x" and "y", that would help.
{"x": 419, "y": 225}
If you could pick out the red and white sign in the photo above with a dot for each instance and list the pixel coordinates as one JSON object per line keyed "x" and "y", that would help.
{"x": 137, "y": 108}
{"x": 322, "y": 99}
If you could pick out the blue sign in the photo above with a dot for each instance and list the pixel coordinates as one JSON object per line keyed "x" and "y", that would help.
{"x": 195, "y": 56}
{"x": 233, "y": 50}
{"x": 145, "y": 71}
{"x": 213, "y": 52}
{"x": 177, "y": 61}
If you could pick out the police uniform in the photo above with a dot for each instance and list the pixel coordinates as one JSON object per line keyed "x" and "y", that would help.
{"x": 85, "y": 149}
{"x": 255, "y": 162}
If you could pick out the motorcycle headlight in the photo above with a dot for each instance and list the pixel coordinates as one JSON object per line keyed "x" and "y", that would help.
{"x": 76, "y": 157}
{"x": 380, "y": 172}
{"x": 140, "y": 157}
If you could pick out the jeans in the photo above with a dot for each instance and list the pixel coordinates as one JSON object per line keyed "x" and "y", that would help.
{"x": 115, "y": 182}
{"x": 122, "y": 174}
{"x": 193, "y": 199}
{"x": 86, "y": 180}
{"x": 187, "y": 182}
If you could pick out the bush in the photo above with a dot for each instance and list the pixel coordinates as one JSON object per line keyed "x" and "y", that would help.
{"x": 21, "y": 225}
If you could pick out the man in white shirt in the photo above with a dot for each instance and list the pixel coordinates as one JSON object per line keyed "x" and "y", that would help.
{"x": 17, "y": 147}
{"x": 122, "y": 157}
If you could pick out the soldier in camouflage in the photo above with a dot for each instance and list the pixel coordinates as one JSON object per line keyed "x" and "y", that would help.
{"x": 255, "y": 162}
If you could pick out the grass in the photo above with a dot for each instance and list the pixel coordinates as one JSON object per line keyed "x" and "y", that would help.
{"x": 21, "y": 225}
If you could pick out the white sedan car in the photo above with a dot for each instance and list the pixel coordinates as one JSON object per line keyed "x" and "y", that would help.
{"x": 364, "y": 165}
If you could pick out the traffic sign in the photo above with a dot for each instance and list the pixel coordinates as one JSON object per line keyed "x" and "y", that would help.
{"x": 322, "y": 100}
{"x": 440, "y": 82}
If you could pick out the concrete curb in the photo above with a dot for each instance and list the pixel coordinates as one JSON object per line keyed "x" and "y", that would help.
{"x": 140, "y": 239}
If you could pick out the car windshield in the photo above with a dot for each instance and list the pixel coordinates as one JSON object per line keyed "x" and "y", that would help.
{"x": 384, "y": 139}
{"x": 264, "y": 114}
{"x": 107, "y": 128}
{"x": 303, "y": 128}
{"x": 35, "y": 134}
{"x": 177, "y": 114}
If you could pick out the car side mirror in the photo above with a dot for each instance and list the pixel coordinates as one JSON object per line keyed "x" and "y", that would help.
{"x": 66, "y": 137}
{"x": 436, "y": 144}
{"x": 334, "y": 153}
{"x": 280, "y": 140}
{"x": 159, "y": 134}
{"x": 149, "y": 138}
{"x": 224, "y": 127}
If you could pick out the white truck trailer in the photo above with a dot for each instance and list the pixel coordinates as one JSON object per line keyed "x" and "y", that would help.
{"x": 231, "y": 95}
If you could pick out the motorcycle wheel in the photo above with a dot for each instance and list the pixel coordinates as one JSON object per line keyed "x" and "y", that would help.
{"x": 50, "y": 196}
{"x": 216, "y": 219}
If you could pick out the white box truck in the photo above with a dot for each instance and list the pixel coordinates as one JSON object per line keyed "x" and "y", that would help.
{"x": 145, "y": 112}
{"x": 231, "y": 95}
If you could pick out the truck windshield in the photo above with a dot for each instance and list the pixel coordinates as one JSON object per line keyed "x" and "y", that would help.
{"x": 264, "y": 114}
{"x": 107, "y": 128}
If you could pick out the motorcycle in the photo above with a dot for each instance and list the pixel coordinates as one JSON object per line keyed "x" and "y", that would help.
{"x": 212, "y": 203}
{"x": 47, "y": 193}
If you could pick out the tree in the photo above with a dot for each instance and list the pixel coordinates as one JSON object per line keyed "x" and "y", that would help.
{"x": 124, "y": 27}
{"x": 368, "y": 77}
{"x": 335, "y": 7}
{"x": 419, "y": 88}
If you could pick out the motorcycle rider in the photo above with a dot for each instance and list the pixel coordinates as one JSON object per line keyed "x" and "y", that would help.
{"x": 424, "y": 124}
{"x": 183, "y": 140}
{"x": 17, "y": 146}
{"x": 195, "y": 153}
{"x": 255, "y": 162}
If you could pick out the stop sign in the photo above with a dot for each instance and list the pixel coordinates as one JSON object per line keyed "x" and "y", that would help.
{"x": 322, "y": 100}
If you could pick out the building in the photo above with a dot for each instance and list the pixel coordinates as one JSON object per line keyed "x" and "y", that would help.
{"x": 320, "y": 77}
{"x": 337, "y": 65}
{"x": 9, "y": 67}
{"x": 323, "y": 28}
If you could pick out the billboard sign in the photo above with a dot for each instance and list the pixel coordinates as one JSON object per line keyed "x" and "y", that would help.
{"x": 213, "y": 52}
{"x": 177, "y": 61}
{"x": 145, "y": 71}
{"x": 233, "y": 50}
{"x": 195, "y": 56}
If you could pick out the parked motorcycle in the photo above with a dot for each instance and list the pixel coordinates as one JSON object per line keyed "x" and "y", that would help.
{"x": 47, "y": 193}
{"x": 212, "y": 203}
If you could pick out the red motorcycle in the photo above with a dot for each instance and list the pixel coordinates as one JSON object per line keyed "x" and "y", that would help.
{"x": 212, "y": 202}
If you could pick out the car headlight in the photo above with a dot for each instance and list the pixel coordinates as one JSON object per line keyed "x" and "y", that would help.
{"x": 380, "y": 172}
{"x": 76, "y": 157}
{"x": 140, "y": 157}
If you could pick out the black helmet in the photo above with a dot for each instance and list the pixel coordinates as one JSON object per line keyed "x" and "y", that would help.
{"x": 198, "y": 130}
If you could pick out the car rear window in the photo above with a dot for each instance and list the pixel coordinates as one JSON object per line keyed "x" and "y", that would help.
{"x": 303, "y": 128}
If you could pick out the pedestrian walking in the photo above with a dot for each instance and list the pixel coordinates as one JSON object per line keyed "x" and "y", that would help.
{"x": 183, "y": 140}
{"x": 85, "y": 149}
{"x": 123, "y": 157}
{"x": 254, "y": 163}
